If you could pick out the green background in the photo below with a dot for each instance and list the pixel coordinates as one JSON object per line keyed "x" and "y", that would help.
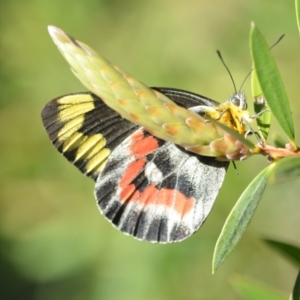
{"x": 54, "y": 244}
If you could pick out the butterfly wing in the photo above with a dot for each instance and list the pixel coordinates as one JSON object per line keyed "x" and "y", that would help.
{"x": 157, "y": 191}
{"x": 85, "y": 130}
{"x": 186, "y": 99}
{"x": 147, "y": 187}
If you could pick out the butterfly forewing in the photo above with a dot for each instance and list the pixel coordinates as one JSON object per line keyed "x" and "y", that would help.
{"x": 85, "y": 130}
{"x": 185, "y": 98}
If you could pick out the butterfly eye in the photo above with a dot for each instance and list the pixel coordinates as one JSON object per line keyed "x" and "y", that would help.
{"x": 235, "y": 100}
{"x": 239, "y": 100}
{"x": 243, "y": 104}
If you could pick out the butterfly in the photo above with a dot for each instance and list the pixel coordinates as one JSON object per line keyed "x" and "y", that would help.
{"x": 147, "y": 187}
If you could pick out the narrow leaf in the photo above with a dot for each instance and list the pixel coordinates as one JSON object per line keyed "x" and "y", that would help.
{"x": 290, "y": 251}
{"x": 296, "y": 289}
{"x": 297, "y": 3}
{"x": 278, "y": 140}
{"x": 271, "y": 83}
{"x": 240, "y": 217}
{"x": 260, "y": 105}
{"x": 286, "y": 169}
{"x": 252, "y": 290}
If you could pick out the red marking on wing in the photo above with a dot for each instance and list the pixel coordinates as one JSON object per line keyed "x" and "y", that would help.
{"x": 183, "y": 204}
{"x": 129, "y": 193}
{"x": 172, "y": 199}
{"x": 137, "y": 136}
{"x": 144, "y": 146}
{"x": 149, "y": 195}
{"x": 131, "y": 172}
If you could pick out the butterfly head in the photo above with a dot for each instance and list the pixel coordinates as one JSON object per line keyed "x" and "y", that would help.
{"x": 232, "y": 113}
{"x": 239, "y": 100}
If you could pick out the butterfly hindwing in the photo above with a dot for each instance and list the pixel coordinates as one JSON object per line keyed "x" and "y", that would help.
{"x": 157, "y": 191}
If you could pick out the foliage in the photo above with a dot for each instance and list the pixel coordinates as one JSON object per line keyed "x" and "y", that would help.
{"x": 53, "y": 244}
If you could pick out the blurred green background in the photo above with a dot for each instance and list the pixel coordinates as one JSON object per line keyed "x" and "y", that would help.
{"x": 54, "y": 244}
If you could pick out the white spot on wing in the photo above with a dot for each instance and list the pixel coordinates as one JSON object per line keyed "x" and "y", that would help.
{"x": 153, "y": 174}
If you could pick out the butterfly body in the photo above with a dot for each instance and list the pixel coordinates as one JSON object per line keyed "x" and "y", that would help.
{"x": 232, "y": 113}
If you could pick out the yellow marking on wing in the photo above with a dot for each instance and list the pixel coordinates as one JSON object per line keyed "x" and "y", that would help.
{"x": 75, "y": 99}
{"x": 74, "y": 111}
{"x": 98, "y": 147}
{"x": 90, "y": 147}
{"x": 97, "y": 163}
{"x": 70, "y": 128}
{"x": 73, "y": 141}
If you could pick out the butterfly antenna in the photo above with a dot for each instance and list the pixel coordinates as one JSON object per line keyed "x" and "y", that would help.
{"x": 247, "y": 76}
{"x": 223, "y": 62}
{"x": 278, "y": 40}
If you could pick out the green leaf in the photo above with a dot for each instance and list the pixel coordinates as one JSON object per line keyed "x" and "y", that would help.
{"x": 286, "y": 169}
{"x": 264, "y": 120}
{"x": 252, "y": 290}
{"x": 297, "y": 3}
{"x": 240, "y": 217}
{"x": 296, "y": 289}
{"x": 271, "y": 83}
{"x": 278, "y": 140}
{"x": 290, "y": 251}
